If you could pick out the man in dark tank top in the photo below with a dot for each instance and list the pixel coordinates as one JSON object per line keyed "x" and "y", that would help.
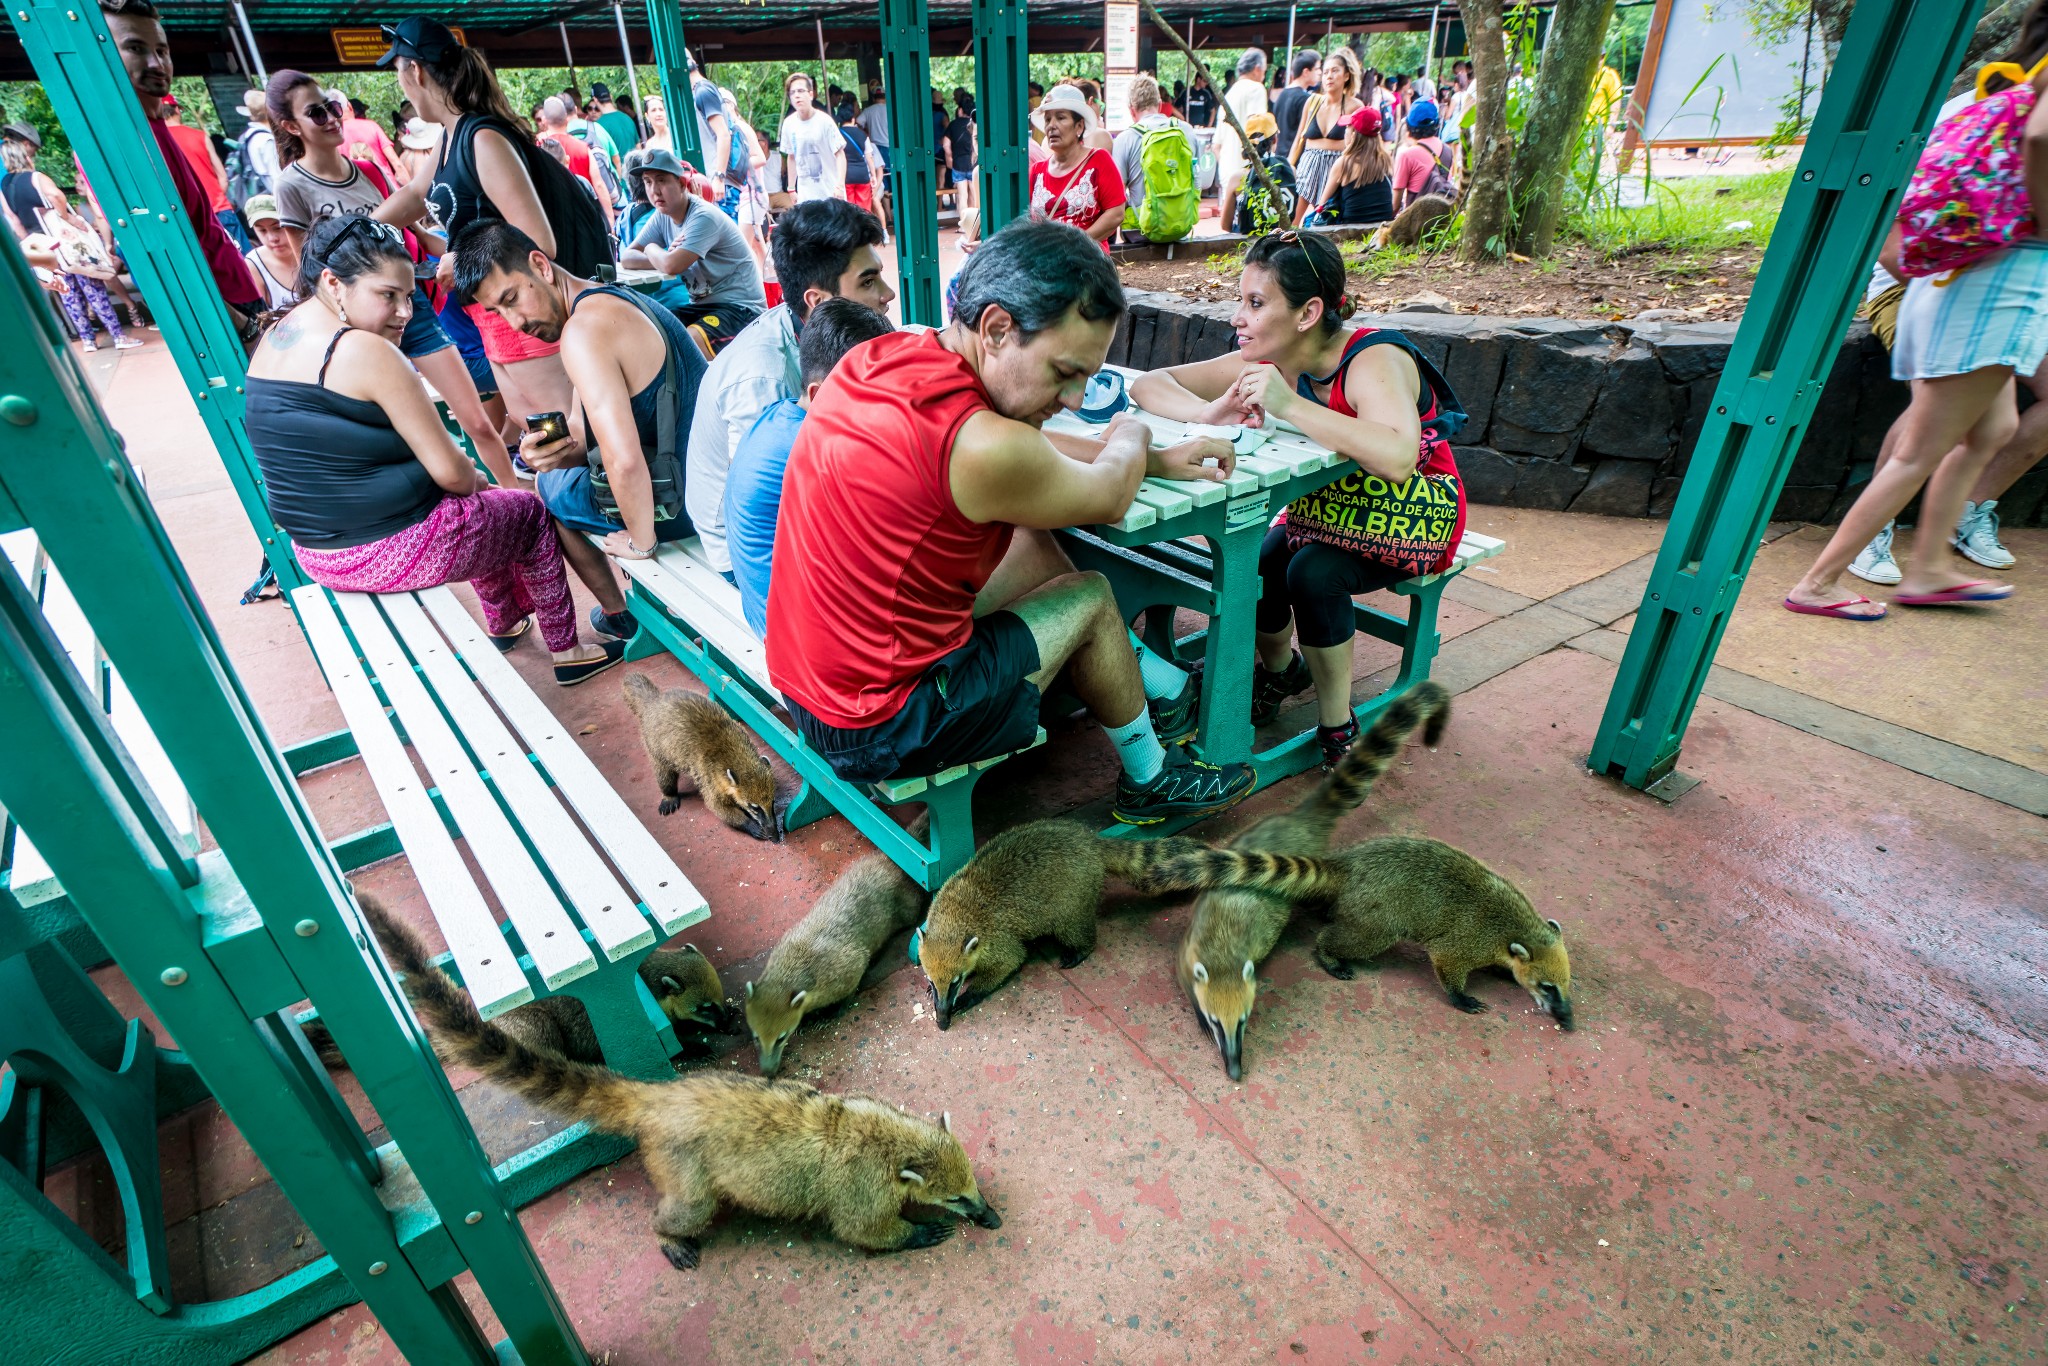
{"x": 617, "y": 469}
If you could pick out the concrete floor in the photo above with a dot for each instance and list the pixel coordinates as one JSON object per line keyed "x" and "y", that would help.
{"x": 1804, "y": 1116}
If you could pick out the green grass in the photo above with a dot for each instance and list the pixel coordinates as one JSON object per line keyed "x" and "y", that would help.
{"x": 1689, "y": 215}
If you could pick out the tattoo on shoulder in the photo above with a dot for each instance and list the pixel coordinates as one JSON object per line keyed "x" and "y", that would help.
{"x": 287, "y": 333}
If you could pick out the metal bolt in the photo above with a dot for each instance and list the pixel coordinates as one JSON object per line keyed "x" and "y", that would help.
{"x": 1723, "y": 409}
{"x": 17, "y": 411}
{"x": 1770, "y": 422}
{"x": 379, "y": 1268}
{"x": 475, "y": 1216}
{"x": 120, "y": 222}
{"x": 163, "y": 218}
{"x": 172, "y": 977}
{"x": 1863, "y": 180}
{"x": 307, "y": 928}
{"x": 1806, "y": 175}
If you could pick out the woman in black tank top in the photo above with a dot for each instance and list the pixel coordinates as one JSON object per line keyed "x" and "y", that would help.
{"x": 360, "y": 473}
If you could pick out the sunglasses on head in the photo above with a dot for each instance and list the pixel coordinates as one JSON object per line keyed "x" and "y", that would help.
{"x": 321, "y": 114}
{"x": 1299, "y": 241}
{"x": 360, "y": 224}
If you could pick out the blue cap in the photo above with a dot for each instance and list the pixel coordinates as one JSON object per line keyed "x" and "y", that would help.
{"x": 1421, "y": 112}
{"x": 1105, "y": 397}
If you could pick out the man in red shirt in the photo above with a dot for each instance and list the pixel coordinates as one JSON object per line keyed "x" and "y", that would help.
{"x": 364, "y": 139}
{"x": 146, "y": 53}
{"x": 554, "y": 128}
{"x": 920, "y": 604}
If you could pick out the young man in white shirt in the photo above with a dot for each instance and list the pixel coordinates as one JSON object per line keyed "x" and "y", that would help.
{"x": 1246, "y": 97}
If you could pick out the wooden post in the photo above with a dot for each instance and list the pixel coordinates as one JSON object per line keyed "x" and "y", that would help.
{"x": 1646, "y": 80}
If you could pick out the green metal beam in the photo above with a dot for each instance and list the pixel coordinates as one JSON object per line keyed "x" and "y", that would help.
{"x": 1887, "y": 86}
{"x": 672, "y": 64}
{"x": 913, "y": 187}
{"x": 1002, "y": 79}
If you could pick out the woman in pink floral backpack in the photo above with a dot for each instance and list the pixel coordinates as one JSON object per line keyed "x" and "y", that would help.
{"x": 1974, "y": 213}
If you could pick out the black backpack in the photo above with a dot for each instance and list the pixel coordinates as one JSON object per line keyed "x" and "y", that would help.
{"x": 582, "y": 243}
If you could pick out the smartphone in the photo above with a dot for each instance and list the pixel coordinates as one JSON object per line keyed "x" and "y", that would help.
{"x": 423, "y": 270}
{"x": 553, "y": 426}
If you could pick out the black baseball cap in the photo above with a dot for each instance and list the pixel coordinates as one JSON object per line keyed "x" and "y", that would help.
{"x": 420, "y": 38}
{"x": 600, "y": 91}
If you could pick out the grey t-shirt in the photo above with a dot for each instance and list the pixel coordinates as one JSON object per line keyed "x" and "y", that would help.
{"x": 726, "y": 272}
{"x": 874, "y": 121}
{"x": 303, "y": 199}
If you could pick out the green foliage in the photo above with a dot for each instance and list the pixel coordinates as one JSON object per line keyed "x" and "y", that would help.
{"x": 1696, "y": 213}
{"x": 1626, "y": 34}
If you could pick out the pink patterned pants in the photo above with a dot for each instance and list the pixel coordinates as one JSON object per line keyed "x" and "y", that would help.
{"x": 501, "y": 541}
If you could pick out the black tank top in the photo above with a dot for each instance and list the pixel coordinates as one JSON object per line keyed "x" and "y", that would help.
{"x": 689, "y": 369}
{"x": 457, "y": 195}
{"x": 18, "y": 188}
{"x": 1372, "y": 202}
{"x": 335, "y": 472}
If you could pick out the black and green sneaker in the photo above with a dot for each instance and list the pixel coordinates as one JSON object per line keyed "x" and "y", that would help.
{"x": 1270, "y": 691}
{"x": 1336, "y": 742}
{"x": 1174, "y": 719}
{"x": 1185, "y": 786}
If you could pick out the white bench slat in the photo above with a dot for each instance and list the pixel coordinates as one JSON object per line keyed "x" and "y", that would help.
{"x": 1164, "y": 501}
{"x": 1136, "y": 519}
{"x": 897, "y": 790}
{"x": 1472, "y": 547}
{"x": 550, "y": 937}
{"x": 1268, "y": 470}
{"x": 1202, "y": 491}
{"x": 646, "y": 866}
{"x": 702, "y": 597}
{"x": 490, "y": 971}
{"x": 603, "y": 905}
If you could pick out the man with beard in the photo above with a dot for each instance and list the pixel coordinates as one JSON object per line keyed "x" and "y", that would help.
{"x": 616, "y": 467}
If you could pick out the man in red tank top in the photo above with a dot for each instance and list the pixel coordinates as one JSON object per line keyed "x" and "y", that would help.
{"x": 920, "y": 603}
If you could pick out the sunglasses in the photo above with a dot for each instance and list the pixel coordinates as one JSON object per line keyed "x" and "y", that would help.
{"x": 320, "y": 115}
{"x": 359, "y": 224}
{"x": 1299, "y": 241}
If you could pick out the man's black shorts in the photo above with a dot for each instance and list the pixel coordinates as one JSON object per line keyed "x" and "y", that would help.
{"x": 974, "y": 703}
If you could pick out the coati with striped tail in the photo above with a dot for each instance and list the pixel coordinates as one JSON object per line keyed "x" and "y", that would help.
{"x": 1233, "y": 930}
{"x": 686, "y": 732}
{"x": 1465, "y": 915}
{"x": 777, "y": 1148}
{"x": 682, "y": 981}
{"x": 1038, "y": 881}
{"x": 820, "y": 962}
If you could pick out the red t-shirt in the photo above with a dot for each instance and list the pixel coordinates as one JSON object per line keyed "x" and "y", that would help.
{"x": 579, "y": 155}
{"x": 230, "y": 272}
{"x": 876, "y": 569}
{"x": 1081, "y": 195}
{"x": 199, "y": 156}
{"x": 1412, "y": 166}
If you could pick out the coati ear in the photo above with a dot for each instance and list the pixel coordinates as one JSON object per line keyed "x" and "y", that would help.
{"x": 1250, "y": 970}
{"x": 1555, "y": 926}
{"x": 731, "y": 778}
{"x": 911, "y": 1176}
{"x": 670, "y": 984}
{"x": 750, "y": 991}
{"x": 946, "y": 1120}
{"x": 972, "y": 940}
{"x": 1518, "y": 951}
{"x": 1200, "y": 972}
{"x": 764, "y": 761}
{"x": 796, "y": 998}
{"x": 692, "y": 948}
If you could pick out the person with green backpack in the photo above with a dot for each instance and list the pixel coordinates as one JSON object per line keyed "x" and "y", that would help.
{"x": 1156, "y": 158}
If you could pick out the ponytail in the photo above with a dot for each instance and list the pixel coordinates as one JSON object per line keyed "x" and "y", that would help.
{"x": 465, "y": 76}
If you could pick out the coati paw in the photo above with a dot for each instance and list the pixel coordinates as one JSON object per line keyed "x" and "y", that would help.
{"x": 929, "y": 1235}
{"x": 1336, "y": 967}
{"x": 1471, "y": 1005}
{"x": 669, "y": 804}
{"x": 681, "y": 1253}
{"x": 1073, "y": 958}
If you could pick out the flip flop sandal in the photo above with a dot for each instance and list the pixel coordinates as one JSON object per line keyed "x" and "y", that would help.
{"x": 1976, "y": 590}
{"x": 1834, "y": 609}
{"x": 511, "y": 637}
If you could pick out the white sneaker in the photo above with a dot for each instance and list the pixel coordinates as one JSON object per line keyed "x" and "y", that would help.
{"x": 1977, "y": 535}
{"x": 130, "y": 344}
{"x": 1874, "y": 563}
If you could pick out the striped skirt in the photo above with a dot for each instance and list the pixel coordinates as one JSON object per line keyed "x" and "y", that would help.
{"x": 1992, "y": 313}
{"x": 1310, "y": 173}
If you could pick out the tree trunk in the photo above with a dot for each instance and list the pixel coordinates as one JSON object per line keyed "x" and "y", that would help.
{"x": 1995, "y": 33}
{"x": 1489, "y": 152}
{"x": 1557, "y": 118}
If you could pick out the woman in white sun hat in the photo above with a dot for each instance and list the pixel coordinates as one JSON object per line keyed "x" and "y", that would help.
{"x": 1076, "y": 184}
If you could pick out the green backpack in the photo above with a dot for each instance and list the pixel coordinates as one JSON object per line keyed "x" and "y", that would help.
{"x": 1171, "y": 201}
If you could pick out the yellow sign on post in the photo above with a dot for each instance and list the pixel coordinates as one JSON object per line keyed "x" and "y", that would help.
{"x": 363, "y": 46}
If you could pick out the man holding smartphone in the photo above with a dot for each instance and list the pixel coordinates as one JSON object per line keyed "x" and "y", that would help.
{"x": 617, "y": 469}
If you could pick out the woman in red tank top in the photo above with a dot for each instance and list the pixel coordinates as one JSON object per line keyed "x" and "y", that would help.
{"x": 1369, "y": 396}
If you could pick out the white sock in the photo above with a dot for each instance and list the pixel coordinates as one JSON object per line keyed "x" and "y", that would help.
{"x": 1137, "y": 748}
{"x": 1164, "y": 679}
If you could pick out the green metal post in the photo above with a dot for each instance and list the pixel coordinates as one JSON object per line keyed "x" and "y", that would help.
{"x": 1880, "y": 103}
{"x": 1002, "y": 79}
{"x": 283, "y": 904}
{"x": 89, "y": 90}
{"x": 672, "y": 65}
{"x": 907, "y": 76}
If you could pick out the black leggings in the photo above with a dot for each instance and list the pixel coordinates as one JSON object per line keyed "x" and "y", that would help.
{"x": 1314, "y": 585}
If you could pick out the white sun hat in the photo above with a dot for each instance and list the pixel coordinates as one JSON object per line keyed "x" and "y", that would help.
{"x": 1069, "y": 98}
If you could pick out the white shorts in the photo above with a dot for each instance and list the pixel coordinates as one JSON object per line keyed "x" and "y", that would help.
{"x": 1993, "y": 313}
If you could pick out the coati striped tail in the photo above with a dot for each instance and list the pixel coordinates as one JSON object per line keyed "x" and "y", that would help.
{"x": 576, "y": 1089}
{"x": 1426, "y": 705}
{"x": 1180, "y": 864}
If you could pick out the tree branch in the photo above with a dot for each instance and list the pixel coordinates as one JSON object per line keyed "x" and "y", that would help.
{"x": 1251, "y": 152}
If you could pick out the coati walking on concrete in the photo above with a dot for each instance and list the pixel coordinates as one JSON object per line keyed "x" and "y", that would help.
{"x": 819, "y": 963}
{"x": 778, "y": 1148}
{"x": 683, "y": 982}
{"x": 1401, "y": 888}
{"x": 1233, "y": 930}
{"x": 689, "y": 733}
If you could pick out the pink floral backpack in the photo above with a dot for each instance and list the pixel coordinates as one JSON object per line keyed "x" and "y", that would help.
{"x": 1968, "y": 196}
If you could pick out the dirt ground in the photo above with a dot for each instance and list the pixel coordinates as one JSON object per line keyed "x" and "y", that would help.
{"x": 1577, "y": 283}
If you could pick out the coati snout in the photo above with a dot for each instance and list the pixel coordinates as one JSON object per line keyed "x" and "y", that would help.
{"x": 1546, "y": 975}
{"x": 1223, "y": 1003}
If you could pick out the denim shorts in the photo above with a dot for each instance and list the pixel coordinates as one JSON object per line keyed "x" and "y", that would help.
{"x": 470, "y": 343}
{"x": 568, "y": 497}
{"x": 423, "y": 334}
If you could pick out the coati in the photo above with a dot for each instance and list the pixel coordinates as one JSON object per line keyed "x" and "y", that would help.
{"x": 683, "y": 982}
{"x": 1415, "y": 222}
{"x": 820, "y": 961}
{"x": 778, "y": 1148}
{"x": 1402, "y": 887}
{"x": 1233, "y": 930}
{"x": 688, "y": 733}
{"x": 1037, "y": 881}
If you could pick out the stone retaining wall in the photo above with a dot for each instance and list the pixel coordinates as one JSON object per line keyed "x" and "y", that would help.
{"x": 1598, "y": 417}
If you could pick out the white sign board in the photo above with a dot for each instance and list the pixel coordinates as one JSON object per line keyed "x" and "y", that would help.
{"x": 1120, "y": 38}
{"x": 1716, "y": 81}
{"x": 1116, "y": 100}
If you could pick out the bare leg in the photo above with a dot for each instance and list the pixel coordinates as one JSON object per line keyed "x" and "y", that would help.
{"x": 1226, "y": 203}
{"x": 593, "y": 567}
{"x": 1330, "y": 667}
{"x": 450, "y": 377}
{"x": 1943, "y": 411}
{"x": 2029, "y": 443}
{"x": 535, "y": 386}
{"x": 1277, "y": 648}
{"x": 1931, "y": 568}
{"x": 1074, "y": 620}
